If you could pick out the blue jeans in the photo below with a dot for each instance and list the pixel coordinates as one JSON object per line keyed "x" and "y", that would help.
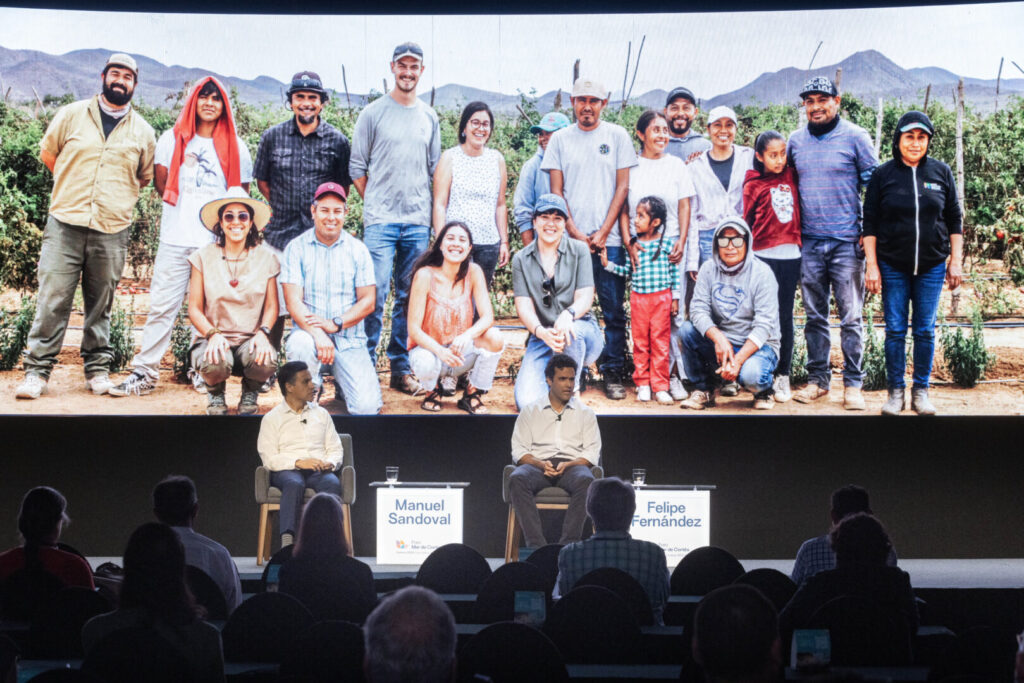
{"x": 351, "y": 370}
{"x": 585, "y": 348}
{"x": 831, "y": 264}
{"x": 899, "y": 289}
{"x": 395, "y": 245}
{"x": 293, "y": 485}
{"x": 611, "y": 294}
{"x": 486, "y": 256}
{"x": 700, "y": 361}
{"x": 705, "y": 242}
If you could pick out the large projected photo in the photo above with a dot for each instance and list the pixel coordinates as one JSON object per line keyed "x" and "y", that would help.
{"x": 763, "y": 213}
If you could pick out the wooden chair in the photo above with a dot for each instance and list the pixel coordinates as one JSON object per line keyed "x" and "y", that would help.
{"x": 269, "y": 498}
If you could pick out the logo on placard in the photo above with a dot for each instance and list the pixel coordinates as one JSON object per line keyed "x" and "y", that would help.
{"x": 400, "y": 544}
{"x": 604, "y": 149}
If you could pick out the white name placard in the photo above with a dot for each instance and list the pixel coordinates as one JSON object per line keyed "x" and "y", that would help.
{"x": 677, "y": 520}
{"x": 413, "y": 522}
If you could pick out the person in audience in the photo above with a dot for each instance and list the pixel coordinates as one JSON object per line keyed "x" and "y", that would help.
{"x": 532, "y": 181}
{"x": 299, "y": 445}
{"x": 321, "y": 573}
{"x": 555, "y": 442}
{"x": 862, "y": 548}
{"x": 176, "y": 504}
{"x": 42, "y": 517}
{"x": 410, "y": 636}
{"x": 444, "y": 341}
{"x": 154, "y": 595}
{"x": 912, "y": 224}
{"x": 733, "y": 330}
{"x": 232, "y": 301}
{"x": 469, "y": 187}
{"x": 736, "y": 636}
{"x": 816, "y": 554}
{"x": 611, "y": 503}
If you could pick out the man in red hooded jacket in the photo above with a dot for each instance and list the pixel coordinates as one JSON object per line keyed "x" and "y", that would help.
{"x": 196, "y": 161}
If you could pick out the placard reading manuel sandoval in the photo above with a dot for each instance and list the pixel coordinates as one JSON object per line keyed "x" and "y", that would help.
{"x": 412, "y": 522}
{"x": 678, "y": 521}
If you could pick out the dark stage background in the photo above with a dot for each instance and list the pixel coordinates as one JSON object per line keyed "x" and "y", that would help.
{"x": 947, "y": 487}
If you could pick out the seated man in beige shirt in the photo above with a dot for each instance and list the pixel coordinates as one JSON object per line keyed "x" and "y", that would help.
{"x": 299, "y": 445}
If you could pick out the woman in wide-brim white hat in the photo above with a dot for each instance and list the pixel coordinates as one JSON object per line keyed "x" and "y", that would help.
{"x": 232, "y": 300}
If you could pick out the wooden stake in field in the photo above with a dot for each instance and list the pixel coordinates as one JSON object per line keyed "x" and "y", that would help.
{"x": 999, "y": 77}
{"x": 927, "y": 95}
{"x": 878, "y": 127}
{"x": 558, "y": 100}
{"x": 42, "y": 107}
{"x": 344, "y": 82}
{"x": 636, "y": 66}
{"x": 839, "y": 80}
{"x": 960, "y": 171}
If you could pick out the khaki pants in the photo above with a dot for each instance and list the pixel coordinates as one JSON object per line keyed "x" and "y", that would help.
{"x": 239, "y": 361}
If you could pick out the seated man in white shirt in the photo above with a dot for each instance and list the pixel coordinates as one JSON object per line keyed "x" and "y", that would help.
{"x": 555, "y": 442}
{"x": 176, "y": 504}
{"x": 299, "y": 445}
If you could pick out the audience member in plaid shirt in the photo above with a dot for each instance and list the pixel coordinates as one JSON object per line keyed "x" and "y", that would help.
{"x": 652, "y": 302}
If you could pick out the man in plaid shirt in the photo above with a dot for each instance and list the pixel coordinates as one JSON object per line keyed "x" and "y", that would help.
{"x": 611, "y": 503}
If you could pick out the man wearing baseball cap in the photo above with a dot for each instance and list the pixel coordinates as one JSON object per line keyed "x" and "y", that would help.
{"x": 86, "y": 235}
{"x": 834, "y": 159}
{"x": 532, "y": 181}
{"x": 589, "y": 166}
{"x": 396, "y": 145}
{"x": 329, "y": 288}
{"x": 681, "y": 111}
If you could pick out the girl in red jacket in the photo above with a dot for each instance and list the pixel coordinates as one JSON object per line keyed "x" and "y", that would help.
{"x": 771, "y": 208}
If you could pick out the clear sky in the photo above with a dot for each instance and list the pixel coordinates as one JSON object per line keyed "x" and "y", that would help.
{"x": 710, "y": 52}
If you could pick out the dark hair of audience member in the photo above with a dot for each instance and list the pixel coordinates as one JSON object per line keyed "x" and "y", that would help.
{"x": 175, "y": 500}
{"x": 410, "y": 636}
{"x": 468, "y": 111}
{"x": 286, "y": 373}
{"x": 154, "y": 576}
{"x": 611, "y": 503}
{"x": 761, "y": 144}
{"x": 557, "y": 362}
{"x": 860, "y": 539}
{"x": 735, "y": 629}
{"x": 849, "y": 500}
{"x": 321, "y": 531}
{"x": 40, "y": 519}
{"x": 434, "y": 257}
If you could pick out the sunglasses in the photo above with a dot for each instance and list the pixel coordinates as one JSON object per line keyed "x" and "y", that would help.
{"x": 734, "y": 241}
{"x": 548, "y": 286}
{"x": 230, "y": 217}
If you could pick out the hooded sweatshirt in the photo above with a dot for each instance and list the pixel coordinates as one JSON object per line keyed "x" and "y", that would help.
{"x": 912, "y": 210}
{"x": 741, "y": 300}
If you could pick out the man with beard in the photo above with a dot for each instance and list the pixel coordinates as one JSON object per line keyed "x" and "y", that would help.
{"x": 395, "y": 148}
{"x": 294, "y": 158}
{"x": 101, "y": 154}
{"x": 681, "y": 111}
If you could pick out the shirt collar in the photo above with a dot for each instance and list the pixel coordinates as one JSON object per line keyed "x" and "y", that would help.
{"x": 611, "y": 535}
{"x": 293, "y": 129}
{"x": 571, "y": 404}
{"x": 311, "y": 238}
{"x": 563, "y": 248}
{"x": 288, "y": 409}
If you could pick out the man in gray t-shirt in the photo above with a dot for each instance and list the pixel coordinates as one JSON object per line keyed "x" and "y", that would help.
{"x": 395, "y": 146}
{"x": 589, "y": 166}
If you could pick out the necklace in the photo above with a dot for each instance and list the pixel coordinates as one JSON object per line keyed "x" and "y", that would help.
{"x": 234, "y": 271}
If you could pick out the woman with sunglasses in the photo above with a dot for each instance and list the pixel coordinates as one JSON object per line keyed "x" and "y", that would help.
{"x": 232, "y": 300}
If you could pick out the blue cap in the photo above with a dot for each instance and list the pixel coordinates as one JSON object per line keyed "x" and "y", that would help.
{"x": 551, "y": 122}
{"x": 550, "y": 202}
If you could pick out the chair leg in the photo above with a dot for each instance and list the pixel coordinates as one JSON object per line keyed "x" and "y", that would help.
{"x": 511, "y": 542}
{"x": 261, "y": 549}
{"x": 348, "y": 528}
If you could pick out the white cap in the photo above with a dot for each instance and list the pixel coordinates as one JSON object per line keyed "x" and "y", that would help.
{"x": 722, "y": 112}
{"x": 585, "y": 87}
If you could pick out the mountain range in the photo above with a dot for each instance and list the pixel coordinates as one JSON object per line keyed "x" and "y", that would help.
{"x": 868, "y": 74}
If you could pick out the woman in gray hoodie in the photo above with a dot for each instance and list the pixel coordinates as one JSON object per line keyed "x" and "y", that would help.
{"x": 733, "y": 331}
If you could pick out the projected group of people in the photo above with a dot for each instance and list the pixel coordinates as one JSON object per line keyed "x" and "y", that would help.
{"x": 713, "y": 237}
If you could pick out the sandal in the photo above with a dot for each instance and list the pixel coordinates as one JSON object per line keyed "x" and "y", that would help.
{"x": 471, "y": 403}
{"x": 432, "y": 403}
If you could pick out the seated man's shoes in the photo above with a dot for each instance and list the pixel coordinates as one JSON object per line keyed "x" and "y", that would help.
{"x": 853, "y": 399}
{"x": 895, "y": 402}
{"x": 730, "y": 389}
{"x": 216, "y": 404}
{"x": 763, "y": 400}
{"x": 32, "y": 387}
{"x": 136, "y": 384}
{"x": 249, "y": 403}
{"x": 698, "y": 400}
{"x": 613, "y": 387}
{"x": 810, "y": 393}
{"x": 99, "y": 384}
{"x": 919, "y": 401}
{"x": 407, "y": 383}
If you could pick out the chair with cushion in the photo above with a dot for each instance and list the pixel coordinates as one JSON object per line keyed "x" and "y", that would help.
{"x": 545, "y": 558}
{"x": 56, "y": 628}
{"x": 626, "y": 587}
{"x": 453, "y": 568}
{"x": 592, "y": 625}
{"x": 703, "y": 570}
{"x": 269, "y": 498}
{"x": 262, "y": 628}
{"x": 496, "y": 599}
{"x": 550, "y": 498}
{"x": 207, "y": 593}
{"x": 326, "y": 652}
{"x": 510, "y": 653}
{"x": 775, "y": 585}
{"x": 865, "y": 632}
{"x": 117, "y": 658}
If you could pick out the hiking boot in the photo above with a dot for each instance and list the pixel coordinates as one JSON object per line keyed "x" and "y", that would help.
{"x": 811, "y": 392}
{"x": 216, "y": 405}
{"x": 894, "y": 405}
{"x": 613, "y": 388}
{"x": 249, "y": 403}
{"x": 407, "y": 383}
{"x": 643, "y": 393}
{"x": 268, "y": 386}
{"x": 676, "y": 389}
{"x": 664, "y": 398}
{"x": 136, "y": 383}
{"x": 781, "y": 389}
{"x": 730, "y": 389}
{"x": 33, "y": 386}
{"x": 698, "y": 400}
{"x": 853, "y": 399}
{"x": 99, "y": 384}
{"x": 763, "y": 400}
{"x": 919, "y": 401}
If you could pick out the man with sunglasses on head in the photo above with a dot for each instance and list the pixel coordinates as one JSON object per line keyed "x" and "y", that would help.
{"x": 553, "y": 284}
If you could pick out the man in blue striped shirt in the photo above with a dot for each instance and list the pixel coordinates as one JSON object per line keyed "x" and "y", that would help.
{"x": 329, "y": 288}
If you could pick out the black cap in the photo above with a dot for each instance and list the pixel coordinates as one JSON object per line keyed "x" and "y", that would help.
{"x": 819, "y": 84}
{"x": 680, "y": 92}
{"x": 307, "y": 80}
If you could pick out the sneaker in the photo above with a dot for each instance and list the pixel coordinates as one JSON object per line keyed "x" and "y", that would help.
{"x": 919, "y": 401}
{"x": 267, "y": 386}
{"x": 407, "y": 384}
{"x": 664, "y": 398}
{"x": 448, "y": 385}
{"x": 216, "y": 405}
{"x": 730, "y": 389}
{"x": 643, "y": 393}
{"x": 613, "y": 388}
{"x": 198, "y": 383}
{"x": 137, "y": 383}
{"x": 585, "y": 379}
{"x": 248, "y": 405}
{"x": 33, "y": 386}
{"x": 853, "y": 399}
{"x": 676, "y": 389}
{"x": 763, "y": 400}
{"x": 894, "y": 405}
{"x": 781, "y": 389}
{"x": 99, "y": 384}
{"x": 811, "y": 392}
{"x": 698, "y": 400}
